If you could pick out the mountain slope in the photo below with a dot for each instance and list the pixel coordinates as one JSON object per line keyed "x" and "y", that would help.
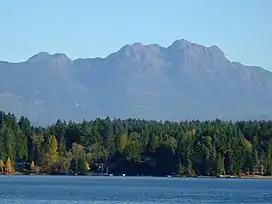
{"x": 182, "y": 81}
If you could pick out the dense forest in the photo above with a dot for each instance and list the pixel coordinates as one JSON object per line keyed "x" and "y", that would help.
{"x": 136, "y": 147}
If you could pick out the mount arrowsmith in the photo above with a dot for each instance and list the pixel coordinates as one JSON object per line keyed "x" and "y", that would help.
{"x": 184, "y": 81}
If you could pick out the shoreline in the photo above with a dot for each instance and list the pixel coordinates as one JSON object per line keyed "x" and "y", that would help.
{"x": 256, "y": 177}
{"x": 97, "y": 175}
{"x": 237, "y": 177}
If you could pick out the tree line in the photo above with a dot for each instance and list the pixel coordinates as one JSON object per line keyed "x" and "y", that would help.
{"x": 136, "y": 147}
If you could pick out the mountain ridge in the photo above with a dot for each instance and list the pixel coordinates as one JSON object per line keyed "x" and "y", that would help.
{"x": 178, "y": 82}
{"x": 45, "y": 53}
{"x": 211, "y": 47}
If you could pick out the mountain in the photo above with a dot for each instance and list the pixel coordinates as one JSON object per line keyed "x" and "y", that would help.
{"x": 182, "y": 81}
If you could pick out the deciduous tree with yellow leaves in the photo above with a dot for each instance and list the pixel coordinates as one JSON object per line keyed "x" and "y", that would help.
{"x": 2, "y": 166}
{"x": 9, "y": 168}
{"x": 51, "y": 150}
{"x": 32, "y": 167}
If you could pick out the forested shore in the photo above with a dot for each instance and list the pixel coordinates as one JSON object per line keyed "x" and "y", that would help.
{"x": 136, "y": 147}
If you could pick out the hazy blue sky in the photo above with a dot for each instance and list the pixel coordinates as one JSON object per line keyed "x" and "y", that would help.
{"x": 86, "y": 28}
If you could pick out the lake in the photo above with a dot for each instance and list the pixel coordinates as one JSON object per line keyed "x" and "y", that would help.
{"x": 106, "y": 190}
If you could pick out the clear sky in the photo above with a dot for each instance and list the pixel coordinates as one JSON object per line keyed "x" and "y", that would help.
{"x": 91, "y": 28}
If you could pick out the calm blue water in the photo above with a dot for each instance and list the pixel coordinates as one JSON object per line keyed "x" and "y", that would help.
{"x": 106, "y": 190}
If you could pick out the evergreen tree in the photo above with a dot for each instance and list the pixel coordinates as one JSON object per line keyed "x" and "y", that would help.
{"x": 62, "y": 146}
{"x": 219, "y": 169}
{"x": 181, "y": 169}
{"x": 82, "y": 167}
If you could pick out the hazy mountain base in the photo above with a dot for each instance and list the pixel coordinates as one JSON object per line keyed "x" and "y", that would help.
{"x": 179, "y": 82}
